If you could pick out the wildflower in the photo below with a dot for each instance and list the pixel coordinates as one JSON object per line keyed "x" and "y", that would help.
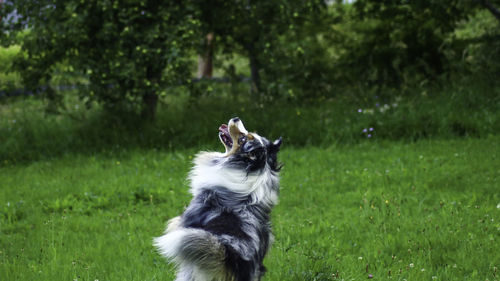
{"x": 371, "y": 129}
{"x": 412, "y": 265}
{"x": 434, "y": 277}
{"x": 360, "y": 110}
{"x": 498, "y": 206}
{"x": 370, "y": 276}
{"x": 423, "y": 269}
{"x": 360, "y": 258}
{"x": 384, "y": 108}
{"x": 369, "y": 136}
{"x": 365, "y": 130}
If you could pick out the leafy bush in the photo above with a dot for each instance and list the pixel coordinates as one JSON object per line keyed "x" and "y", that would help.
{"x": 125, "y": 56}
{"x": 474, "y": 46}
{"x": 129, "y": 52}
{"x": 9, "y": 79}
{"x": 27, "y": 133}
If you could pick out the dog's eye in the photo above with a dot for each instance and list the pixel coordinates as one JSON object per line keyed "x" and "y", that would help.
{"x": 241, "y": 140}
{"x": 252, "y": 156}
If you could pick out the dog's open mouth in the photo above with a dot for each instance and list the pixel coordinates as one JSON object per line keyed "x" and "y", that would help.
{"x": 225, "y": 137}
{"x": 231, "y": 134}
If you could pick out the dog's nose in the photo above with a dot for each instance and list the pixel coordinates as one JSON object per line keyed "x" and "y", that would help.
{"x": 235, "y": 119}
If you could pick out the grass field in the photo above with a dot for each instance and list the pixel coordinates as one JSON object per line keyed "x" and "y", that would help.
{"x": 428, "y": 210}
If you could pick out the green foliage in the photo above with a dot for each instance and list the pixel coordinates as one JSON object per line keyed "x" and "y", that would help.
{"x": 257, "y": 30}
{"x": 9, "y": 78}
{"x": 125, "y": 55}
{"x": 475, "y": 45}
{"x": 128, "y": 51}
{"x": 300, "y": 66}
{"x": 421, "y": 211}
{"x": 28, "y": 134}
{"x": 396, "y": 43}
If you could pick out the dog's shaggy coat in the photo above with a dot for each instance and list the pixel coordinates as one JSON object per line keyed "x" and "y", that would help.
{"x": 225, "y": 231}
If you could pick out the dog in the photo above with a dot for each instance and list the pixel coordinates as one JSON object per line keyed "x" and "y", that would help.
{"x": 225, "y": 232}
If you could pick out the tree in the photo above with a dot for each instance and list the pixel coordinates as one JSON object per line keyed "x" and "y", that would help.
{"x": 392, "y": 42}
{"x": 205, "y": 59}
{"x": 254, "y": 28}
{"x": 128, "y": 51}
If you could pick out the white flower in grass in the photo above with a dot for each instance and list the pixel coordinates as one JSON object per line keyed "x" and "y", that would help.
{"x": 412, "y": 265}
{"x": 498, "y": 206}
{"x": 434, "y": 277}
{"x": 360, "y": 258}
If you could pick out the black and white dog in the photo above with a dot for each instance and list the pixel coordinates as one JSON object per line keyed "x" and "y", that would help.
{"x": 225, "y": 231}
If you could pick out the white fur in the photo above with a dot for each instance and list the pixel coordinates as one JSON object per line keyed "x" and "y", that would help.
{"x": 209, "y": 170}
{"x": 173, "y": 224}
{"x": 170, "y": 243}
{"x": 170, "y": 246}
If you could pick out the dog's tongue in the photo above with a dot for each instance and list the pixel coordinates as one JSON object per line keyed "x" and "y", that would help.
{"x": 223, "y": 129}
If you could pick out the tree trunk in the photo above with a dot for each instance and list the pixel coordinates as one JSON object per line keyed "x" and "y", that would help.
{"x": 150, "y": 100}
{"x": 205, "y": 60}
{"x": 254, "y": 68}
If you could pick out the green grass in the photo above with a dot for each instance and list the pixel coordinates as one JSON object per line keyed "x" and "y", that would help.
{"x": 83, "y": 193}
{"x": 28, "y": 133}
{"x": 417, "y": 211}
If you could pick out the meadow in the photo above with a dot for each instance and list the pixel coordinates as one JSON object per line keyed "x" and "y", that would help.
{"x": 426, "y": 210}
{"x": 389, "y": 113}
{"x": 399, "y": 187}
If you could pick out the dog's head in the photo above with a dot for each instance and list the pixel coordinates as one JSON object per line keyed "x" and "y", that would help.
{"x": 249, "y": 151}
{"x": 249, "y": 165}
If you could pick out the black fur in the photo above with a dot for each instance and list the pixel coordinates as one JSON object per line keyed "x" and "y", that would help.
{"x": 216, "y": 211}
{"x": 254, "y": 155}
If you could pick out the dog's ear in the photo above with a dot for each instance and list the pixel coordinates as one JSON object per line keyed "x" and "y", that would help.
{"x": 275, "y": 146}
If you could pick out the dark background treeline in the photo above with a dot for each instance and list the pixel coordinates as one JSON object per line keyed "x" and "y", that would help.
{"x": 139, "y": 71}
